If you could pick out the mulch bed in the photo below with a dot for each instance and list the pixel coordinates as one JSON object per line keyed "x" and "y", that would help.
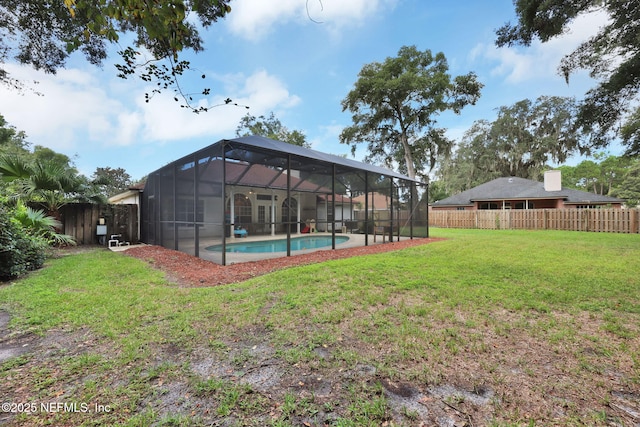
{"x": 191, "y": 271}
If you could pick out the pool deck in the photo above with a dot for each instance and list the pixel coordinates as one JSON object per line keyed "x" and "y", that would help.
{"x": 355, "y": 240}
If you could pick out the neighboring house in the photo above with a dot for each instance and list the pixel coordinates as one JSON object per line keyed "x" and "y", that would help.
{"x": 376, "y": 202}
{"x": 520, "y": 193}
{"x": 129, "y": 197}
{"x": 342, "y": 212}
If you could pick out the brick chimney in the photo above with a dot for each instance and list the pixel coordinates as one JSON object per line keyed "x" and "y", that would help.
{"x": 553, "y": 180}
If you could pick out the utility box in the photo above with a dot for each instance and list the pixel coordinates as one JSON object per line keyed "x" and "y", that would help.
{"x": 101, "y": 230}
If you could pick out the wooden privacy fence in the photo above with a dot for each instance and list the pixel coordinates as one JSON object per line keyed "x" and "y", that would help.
{"x": 80, "y": 220}
{"x": 598, "y": 220}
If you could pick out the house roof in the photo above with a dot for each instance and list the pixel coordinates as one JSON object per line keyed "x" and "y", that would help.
{"x": 138, "y": 185}
{"x": 377, "y": 201}
{"x": 514, "y": 188}
{"x": 124, "y": 195}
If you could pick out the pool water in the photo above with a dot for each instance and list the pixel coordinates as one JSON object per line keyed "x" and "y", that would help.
{"x": 297, "y": 244}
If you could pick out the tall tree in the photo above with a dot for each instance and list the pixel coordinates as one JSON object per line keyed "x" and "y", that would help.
{"x": 47, "y": 155}
{"x": 12, "y": 141}
{"x": 43, "y": 33}
{"x": 437, "y": 191}
{"x": 523, "y": 139}
{"x": 112, "y": 180}
{"x": 588, "y": 173}
{"x": 270, "y": 127}
{"x": 612, "y": 56}
{"x": 570, "y": 178}
{"x": 528, "y": 135}
{"x": 601, "y": 175}
{"x": 395, "y": 104}
{"x": 604, "y": 175}
{"x": 470, "y": 164}
{"x": 629, "y": 188}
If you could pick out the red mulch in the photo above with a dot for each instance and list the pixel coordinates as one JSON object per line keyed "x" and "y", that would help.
{"x": 188, "y": 270}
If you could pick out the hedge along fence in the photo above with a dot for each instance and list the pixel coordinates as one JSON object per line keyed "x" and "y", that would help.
{"x": 80, "y": 220}
{"x": 597, "y": 220}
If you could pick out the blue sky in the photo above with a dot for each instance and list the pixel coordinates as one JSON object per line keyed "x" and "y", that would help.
{"x": 297, "y": 58}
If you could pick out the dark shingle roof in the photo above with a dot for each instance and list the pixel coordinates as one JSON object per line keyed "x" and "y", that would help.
{"x": 514, "y": 188}
{"x": 283, "y": 147}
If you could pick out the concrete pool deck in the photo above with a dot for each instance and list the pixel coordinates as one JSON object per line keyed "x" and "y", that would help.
{"x": 355, "y": 240}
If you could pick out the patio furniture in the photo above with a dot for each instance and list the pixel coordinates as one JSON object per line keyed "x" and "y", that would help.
{"x": 351, "y": 226}
{"x": 240, "y": 232}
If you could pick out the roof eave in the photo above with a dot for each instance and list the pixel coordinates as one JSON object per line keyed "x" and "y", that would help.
{"x": 518, "y": 198}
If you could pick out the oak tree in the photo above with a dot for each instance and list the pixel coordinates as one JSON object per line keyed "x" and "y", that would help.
{"x": 43, "y": 33}
{"x": 112, "y": 180}
{"x": 270, "y": 127}
{"x": 395, "y": 105}
{"x": 612, "y": 56}
{"x": 521, "y": 141}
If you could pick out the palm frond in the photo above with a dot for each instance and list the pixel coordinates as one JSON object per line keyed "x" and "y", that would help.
{"x": 14, "y": 168}
{"x": 38, "y": 223}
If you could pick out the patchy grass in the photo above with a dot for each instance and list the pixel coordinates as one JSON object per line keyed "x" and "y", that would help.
{"x": 485, "y": 328}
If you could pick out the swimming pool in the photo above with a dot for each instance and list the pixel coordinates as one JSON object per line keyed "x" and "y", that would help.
{"x": 280, "y": 245}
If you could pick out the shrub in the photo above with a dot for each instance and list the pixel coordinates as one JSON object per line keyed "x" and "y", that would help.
{"x": 19, "y": 251}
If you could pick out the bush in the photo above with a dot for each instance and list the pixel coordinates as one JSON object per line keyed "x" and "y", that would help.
{"x": 19, "y": 252}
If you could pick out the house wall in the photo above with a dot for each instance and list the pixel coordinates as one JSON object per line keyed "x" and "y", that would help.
{"x": 520, "y": 204}
{"x": 130, "y": 199}
{"x": 309, "y": 209}
{"x": 452, "y": 208}
{"x": 342, "y": 212}
{"x": 548, "y": 204}
{"x": 533, "y": 204}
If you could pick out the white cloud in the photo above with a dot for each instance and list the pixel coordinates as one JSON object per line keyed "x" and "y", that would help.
{"x": 327, "y": 139}
{"x": 263, "y": 92}
{"x": 70, "y": 100}
{"x": 540, "y": 60}
{"x": 252, "y": 19}
{"x": 162, "y": 120}
{"x": 74, "y": 111}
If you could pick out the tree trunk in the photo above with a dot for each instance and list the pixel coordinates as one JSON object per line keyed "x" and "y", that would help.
{"x": 408, "y": 157}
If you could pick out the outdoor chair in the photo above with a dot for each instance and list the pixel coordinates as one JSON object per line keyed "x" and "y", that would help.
{"x": 240, "y": 232}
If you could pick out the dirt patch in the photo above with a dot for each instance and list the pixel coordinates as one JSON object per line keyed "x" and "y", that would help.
{"x": 13, "y": 345}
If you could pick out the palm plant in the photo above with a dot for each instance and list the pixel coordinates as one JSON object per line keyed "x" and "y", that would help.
{"x": 39, "y": 224}
{"x": 49, "y": 183}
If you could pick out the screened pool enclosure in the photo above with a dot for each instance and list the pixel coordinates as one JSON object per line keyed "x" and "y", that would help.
{"x": 255, "y": 189}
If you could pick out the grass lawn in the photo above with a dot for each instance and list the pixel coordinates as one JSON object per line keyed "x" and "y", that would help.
{"x": 493, "y": 328}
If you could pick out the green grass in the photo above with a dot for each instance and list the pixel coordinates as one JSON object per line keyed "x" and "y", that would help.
{"x": 411, "y": 314}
